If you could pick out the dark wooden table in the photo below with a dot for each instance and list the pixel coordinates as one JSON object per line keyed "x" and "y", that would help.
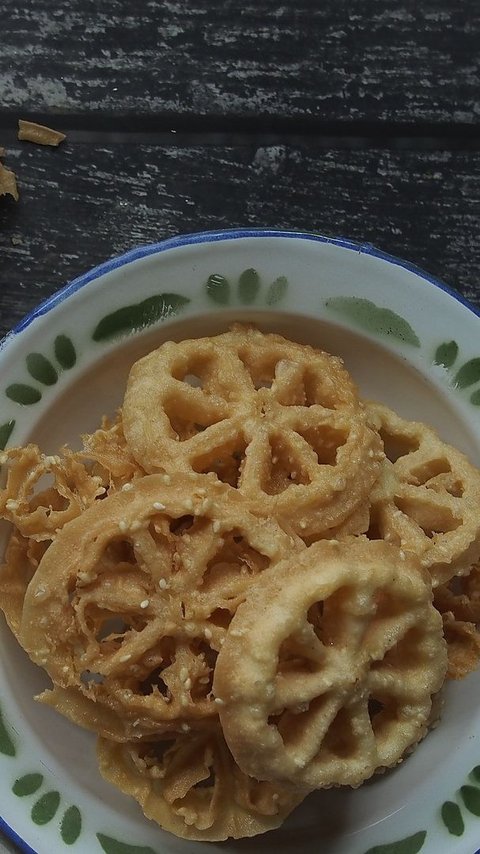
{"x": 358, "y": 118}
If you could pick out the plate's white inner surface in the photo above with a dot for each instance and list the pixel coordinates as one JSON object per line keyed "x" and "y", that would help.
{"x": 332, "y": 815}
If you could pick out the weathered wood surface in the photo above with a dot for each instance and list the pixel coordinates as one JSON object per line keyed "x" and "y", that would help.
{"x": 82, "y": 204}
{"x": 370, "y": 60}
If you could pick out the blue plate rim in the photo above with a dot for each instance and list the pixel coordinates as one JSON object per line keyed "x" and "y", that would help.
{"x": 215, "y": 236}
{"x": 13, "y": 836}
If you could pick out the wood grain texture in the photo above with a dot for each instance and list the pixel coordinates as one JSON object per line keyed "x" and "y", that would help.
{"x": 81, "y": 205}
{"x": 318, "y": 59}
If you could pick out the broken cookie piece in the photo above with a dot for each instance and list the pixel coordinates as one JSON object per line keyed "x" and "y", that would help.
{"x": 8, "y": 182}
{"x": 40, "y": 134}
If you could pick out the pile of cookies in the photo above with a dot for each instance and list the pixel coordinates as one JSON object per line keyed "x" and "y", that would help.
{"x": 252, "y": 584}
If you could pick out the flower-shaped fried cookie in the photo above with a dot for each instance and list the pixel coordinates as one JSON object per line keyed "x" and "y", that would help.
{"x": 328, "y": 668}
{"x": 427, "y": 498}
{"x": 459, "y": 604}
{"x": 191, "y": 786}
{"x": 279, "y": 421}
{"x": 131, "y": 602}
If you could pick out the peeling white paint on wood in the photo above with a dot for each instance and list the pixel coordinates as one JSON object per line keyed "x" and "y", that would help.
{"x": 338, "y": 61}
{"x": 89, "y": 202}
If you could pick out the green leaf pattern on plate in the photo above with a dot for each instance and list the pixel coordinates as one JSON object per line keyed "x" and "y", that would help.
{"x": 41, "y": 369}
{"x": 46, "y": 807}
{"x": 452, "y": 818}
{"x": 451, "y": 813}
{"x": 446, "y": 353}
{"x": 27, "y": 785}
{"x": 466, "y": 375}
{"x": 5, "y": 432}
{"x": 64, "y": 352}
{"x": 135, "y": 317}
{"x": 410, "y": 845}
{"x": 471, "y": 799}
{"x": 218, "y": 289}
{"x": 277, "y": 290}
{"x": 113, "y": 846}
{"x": 373, "y": 318}
{"x": 24, "y": 394}
{"x": 71, "y": 825}
{"x": 7, "y": 746}
{"x": 247, "y": 288}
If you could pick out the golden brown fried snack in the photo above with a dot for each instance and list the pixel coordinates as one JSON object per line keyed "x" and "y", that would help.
{"x": 328, "y": 668}
{"x": 279, "y": 421}
{"x": 191, "y": 787}
{"x": 37, "y": 516}
{"x": 21, "y": 560}
{"x": 131, "y": 603}
{"x": 108, "y": 448}
{"x": 461, "y": 596}
{"x": 459, "y": 603}
{"x": 427, "y": 497}
{"x": 463, "y": 646}
{"x": 98, "y": 717}
{"x": 40, "y": 515}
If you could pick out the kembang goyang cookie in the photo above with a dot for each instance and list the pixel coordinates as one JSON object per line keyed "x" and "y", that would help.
{"x": 37, "y": 512}
{"x": 459, "y": 603}
{"x": 427, "y": 498}
{"x": 279, "y": 421}
{"x": 131, "y": 602}
{"x": 191, "y": 786}
{"x": 329, "y": 667}
{"x": 426, "y": 501}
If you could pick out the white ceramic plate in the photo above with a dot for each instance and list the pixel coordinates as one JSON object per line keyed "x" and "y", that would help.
{"x": 407, "y": 340}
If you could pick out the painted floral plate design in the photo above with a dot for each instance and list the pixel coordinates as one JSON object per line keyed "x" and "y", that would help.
{"x": 407, "y": 340}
